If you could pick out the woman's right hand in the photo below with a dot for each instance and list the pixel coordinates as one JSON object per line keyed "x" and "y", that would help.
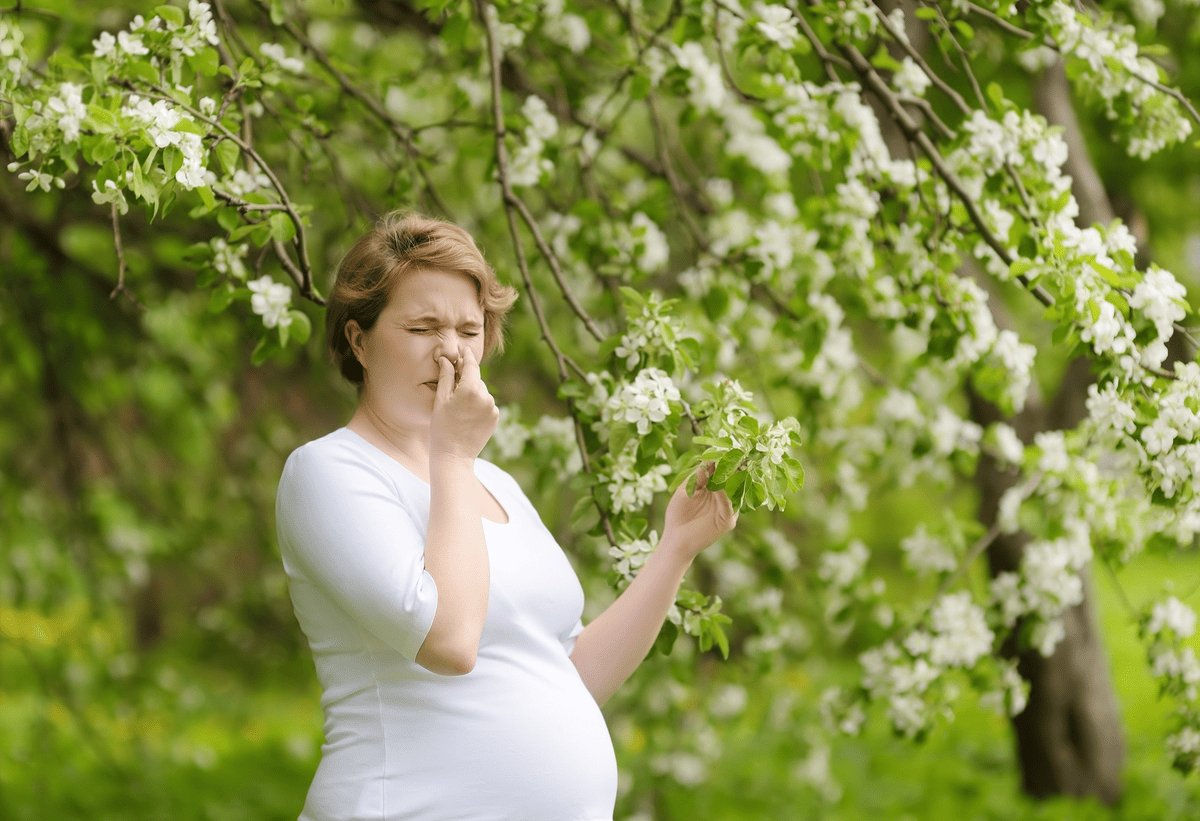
{"x": 464, "y": 415}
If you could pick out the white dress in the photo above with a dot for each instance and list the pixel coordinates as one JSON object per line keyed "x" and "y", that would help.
{"x": 519, "y": 737}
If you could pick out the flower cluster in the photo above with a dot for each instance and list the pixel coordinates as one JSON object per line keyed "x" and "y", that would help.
{"x": 911, "y": 676}
{"x": 227, "y": 260}
{"x": 630, "y": 490}
{"x": 528, "y": 164}
{"x": 777, "y": 24}
{"x": 749, "y": 140}
{"x": 642, "y": 403}
{"x": 641, "y": 242}
{"x": 12, "y": 55}
{"x": 556, "y": 434}
{"x": 650, "y": 334}
{"x": 161, "y": 120}
{"x": 925, "y": 553}
{"x": 276, "y": 54}
{"x": 706, "y": 87}
{"x": 1112, "y": 70}
{"x": 566, "y": 29}
{"x": 853, "y": 22}
{"x": 169, "y": 35}
{"x": 1165, "y": 627}
{"x": 271, "y": 301}
{"x": 1047, "y": 583}
{"x": 630, "y": 556}
{"x": 911, "y": 79}
{"x": 508, "y": 36}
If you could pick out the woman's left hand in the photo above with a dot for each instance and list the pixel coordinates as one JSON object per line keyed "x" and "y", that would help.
{"x": 695, "y": 522}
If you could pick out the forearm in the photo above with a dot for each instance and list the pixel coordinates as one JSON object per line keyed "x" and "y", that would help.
{"x": 612, "y": 646}
{"x": 456, "y": 556}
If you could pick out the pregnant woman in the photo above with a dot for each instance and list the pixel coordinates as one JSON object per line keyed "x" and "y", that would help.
{"x": 445, "y": 622}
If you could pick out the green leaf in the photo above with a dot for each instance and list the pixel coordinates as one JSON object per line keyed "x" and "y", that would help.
{"x": 172, "y": 160}
{"x": 227, "y": 153}
{"x": 282, "y": 227}
{"x": 242, "y": 231}
{"x": 722, "y": 639}
{"x": 639, "y": 87}
{"x": 205, "y": 62}
{"x": 267, "y": 345}
{"x": 171, "y": 15}
{"x": 102, "y": 120}
{"x": 277, "y": 13}
{"x": 996, "y": 94}
{"x": 190, "y": 127}
{"x": 454, "y": 32}
{"x": 206, "y": 197}
{"x": 228, "y": 219}
{"x": 666, "y": 638}
{"x": 220, "y": 299}
{"x": 301, "y": 326}
{"x": 142, "y": 71}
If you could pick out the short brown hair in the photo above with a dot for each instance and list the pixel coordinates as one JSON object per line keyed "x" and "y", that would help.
{"x": 403, "y": 241}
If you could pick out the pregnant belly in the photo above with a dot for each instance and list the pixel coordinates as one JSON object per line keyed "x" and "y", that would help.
{"x": 536, "y": 751}
{"x": 528, "y": 749}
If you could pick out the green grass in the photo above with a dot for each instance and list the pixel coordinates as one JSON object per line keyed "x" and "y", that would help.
{"x": 207, "y": 742}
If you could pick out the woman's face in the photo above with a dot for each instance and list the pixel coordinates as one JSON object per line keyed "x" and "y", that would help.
{"x": 430, "y": 313}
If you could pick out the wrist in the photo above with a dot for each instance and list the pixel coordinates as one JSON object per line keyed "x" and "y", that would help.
{"x": 444, "y": 459}
{"x": 678, "y": 551}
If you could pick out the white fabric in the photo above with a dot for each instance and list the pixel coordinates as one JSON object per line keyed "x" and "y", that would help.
{"x": 519, "y": 737}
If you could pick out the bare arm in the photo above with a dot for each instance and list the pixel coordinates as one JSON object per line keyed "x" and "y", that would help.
{"x": 615, "y": 643}
{"x": 456, "y": 556}
{"x": 612, "y": 646}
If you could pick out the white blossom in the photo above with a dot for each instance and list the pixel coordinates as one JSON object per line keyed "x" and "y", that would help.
{"x": 841, "y": 568}
{"x": 569, "y": 30}
{"x": 961, "y": 634}
{"x": 105, "y": 45}
{"x": 777, "y": 24}
{"x": 131, "y": 44}
{"x": 911, "y": 79}
{"x": 925, "y": 553}
{"x": 643, "y": 402}
{"x": 271, "y": 301}
{"x": 1173, "y": 615}
{"x": 276, "y": 53}
{"x": 68, "y": 110}
{"x": 706, "y": 87}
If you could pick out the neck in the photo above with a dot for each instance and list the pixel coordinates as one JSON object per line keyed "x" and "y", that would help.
{"x": 410, "y": 442}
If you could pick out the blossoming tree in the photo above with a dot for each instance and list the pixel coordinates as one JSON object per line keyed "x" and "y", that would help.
{"x": 882, "y": 217}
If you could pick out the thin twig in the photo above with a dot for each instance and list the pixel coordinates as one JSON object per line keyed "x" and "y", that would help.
{"x": 510, "y": 203}
{"x": 120, "y": 289}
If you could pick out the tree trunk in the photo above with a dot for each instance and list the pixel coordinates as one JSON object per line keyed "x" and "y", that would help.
{"x": 1069, "y": 737}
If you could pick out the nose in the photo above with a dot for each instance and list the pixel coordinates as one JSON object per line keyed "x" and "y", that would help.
{"x": 453, "y": 352}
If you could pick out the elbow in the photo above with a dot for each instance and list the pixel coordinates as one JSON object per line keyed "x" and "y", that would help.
{"x": 461, "y": 663}
{"x": 448, "y": 661}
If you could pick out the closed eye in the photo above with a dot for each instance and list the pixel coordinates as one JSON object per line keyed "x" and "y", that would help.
{"x": 426, "y": 330}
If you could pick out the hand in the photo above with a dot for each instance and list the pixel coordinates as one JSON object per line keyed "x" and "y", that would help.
{"x": 694, "y": 522}
{"x": 464, "y": 416}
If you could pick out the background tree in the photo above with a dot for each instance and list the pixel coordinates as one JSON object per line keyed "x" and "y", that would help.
{"x": 881, "y": 237}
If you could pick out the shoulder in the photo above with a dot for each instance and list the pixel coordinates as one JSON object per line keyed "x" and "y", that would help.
{"x": 326, "y": 458}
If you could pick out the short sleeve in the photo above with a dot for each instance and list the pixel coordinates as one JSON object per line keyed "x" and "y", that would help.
{"x": 341, "y": 523}
{"x": 569, "y": 641}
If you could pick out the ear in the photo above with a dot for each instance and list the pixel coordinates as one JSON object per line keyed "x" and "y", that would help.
{"x": 354, "y": 336}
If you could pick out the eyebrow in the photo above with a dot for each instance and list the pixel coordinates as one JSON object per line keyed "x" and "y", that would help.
{"x": 430, "y": 318}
